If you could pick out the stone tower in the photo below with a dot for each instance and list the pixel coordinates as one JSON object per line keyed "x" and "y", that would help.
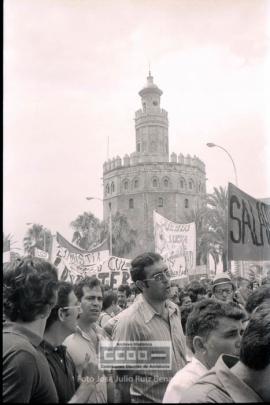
{"x": 148, "y": 179}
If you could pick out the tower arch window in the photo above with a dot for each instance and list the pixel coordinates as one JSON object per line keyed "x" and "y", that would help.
{"x": 166, "y": 182}
{"x": 144, "y": 107}
{"x": 112, "y": 187}
{"x": 136, "y": 183}
{"x": 107, "y": 189}
{"x": 182, "y": 183}
{"x": 160, "y": 202}
{"x": 186, "y": 202}
{"x": 190, "y": 184}
{"x": 131, "y": 203}
{"x": 155, "y": 182}
{"x": 138, "y": 147}
{"x": 125, "y": 184}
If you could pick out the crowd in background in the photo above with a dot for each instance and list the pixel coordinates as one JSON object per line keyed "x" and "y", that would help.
{"x": 52, "y": 332}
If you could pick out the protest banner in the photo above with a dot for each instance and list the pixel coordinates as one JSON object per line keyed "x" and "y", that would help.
{"x": 177, "y": 245}
{"x": 41, "y": 254}
{"x": 73, "y": 262}
{"x": 114, "y": 271}
{"x": 248, "y": 226}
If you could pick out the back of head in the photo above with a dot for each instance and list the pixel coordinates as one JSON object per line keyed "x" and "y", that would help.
{"x": 30, "y": 285}
{"x": 194, "y": 289}
{"x": 205, "y": 318}
{"x": 140, "y": 262}
{"x": 64, "y": 289}
{"x": 258, "y": 297}
{"x": 125, "y": 288}
{"x": 255, "y": 344}
{"x": 109, "y": 299}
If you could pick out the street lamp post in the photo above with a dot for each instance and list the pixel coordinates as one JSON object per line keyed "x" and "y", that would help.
{"x": 212, "y": 145}
{"x": 110, "y": 221}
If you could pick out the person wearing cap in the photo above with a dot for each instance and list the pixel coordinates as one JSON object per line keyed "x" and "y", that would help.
{"x": 223, "y": 288}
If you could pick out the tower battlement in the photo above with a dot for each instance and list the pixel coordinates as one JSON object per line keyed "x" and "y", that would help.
{"x": 135, "y": 159}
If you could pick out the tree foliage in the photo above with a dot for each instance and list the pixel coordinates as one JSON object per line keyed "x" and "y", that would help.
{"x": 37, "y": 236}
{"x": 89, "y": 232}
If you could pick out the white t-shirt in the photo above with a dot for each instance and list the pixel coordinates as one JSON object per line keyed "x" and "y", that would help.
{"x": 183, "y": 379}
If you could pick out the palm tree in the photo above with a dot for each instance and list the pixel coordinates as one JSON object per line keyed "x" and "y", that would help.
{"x": 87, "y": 231}
{"x": 205, "y": 243}
{"x": 217, "y": 220}
{"x": 37, "y": 236}
{"x": 123, "y": 236}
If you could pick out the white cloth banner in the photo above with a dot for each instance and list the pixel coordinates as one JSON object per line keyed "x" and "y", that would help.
{"x": 177, "y": 245}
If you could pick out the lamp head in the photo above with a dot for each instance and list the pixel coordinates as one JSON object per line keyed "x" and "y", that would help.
{"x": 210, "y": 144}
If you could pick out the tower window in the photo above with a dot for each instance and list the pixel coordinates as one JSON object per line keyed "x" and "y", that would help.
{"x": 144, "y": 107}
{"x": 186, "y": 203}
{"x": 110, "y": 206}
{"x": 112, "y": 187}
{"x": 136, "y": 184}
{"x": 190, "y": 185}
{"x": 155, "y": 183}
{"x": 126, "y": 185}
{"x": 155, "y": 103}
{"x": 160, "y": 202}
{"x": 107, "y": 189}
{"x": 131, "y": 203}
{"x": 166, "y": 183}
{"x": 138, "y": 147}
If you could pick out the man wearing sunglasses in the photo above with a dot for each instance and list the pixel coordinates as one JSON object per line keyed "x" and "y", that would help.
{"x": 153, "y": 320}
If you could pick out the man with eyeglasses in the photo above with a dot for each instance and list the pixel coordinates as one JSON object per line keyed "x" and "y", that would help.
{"x": 60, "y": 324}
{"x": 223, "y": 288}
{"x": 153, "y": 319}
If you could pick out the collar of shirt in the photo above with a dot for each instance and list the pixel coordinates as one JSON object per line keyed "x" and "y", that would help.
{"x": 238, "y": 390}
{"x": 49, "y": 348}
{"x": 149, "y": 312}
{"x": 18, "y": 329}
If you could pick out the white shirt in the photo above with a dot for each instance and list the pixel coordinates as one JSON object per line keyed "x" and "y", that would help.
{"x": 183, "y": 379}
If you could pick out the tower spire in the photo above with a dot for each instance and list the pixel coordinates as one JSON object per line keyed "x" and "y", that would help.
{"x": 149, "y": 66}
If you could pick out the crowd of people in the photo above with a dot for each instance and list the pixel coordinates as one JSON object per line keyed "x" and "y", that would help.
{"x": 211, "y": 337}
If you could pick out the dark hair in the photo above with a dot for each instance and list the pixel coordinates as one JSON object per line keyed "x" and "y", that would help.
{"x": 109, "y": 299}
{"x": 124, "y": 288}
{"x": 87, "y": 281}
{"x": 194, "y": 289}
{"x": 255, "y": 344}
{"x": 256, "y": 298}
{"x": 206, "y": 315}
{"x": 185, "y": 311}
{"x": 30, "y": 285}
{"x": 182, "y": 295}
{"x": 140, "y": 262}
{"x": 64, "y": 289}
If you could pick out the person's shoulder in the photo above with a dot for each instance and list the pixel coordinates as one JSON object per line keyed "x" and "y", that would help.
{"x": 16, "y": 343}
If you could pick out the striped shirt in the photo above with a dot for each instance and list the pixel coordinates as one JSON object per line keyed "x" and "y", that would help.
{"x": 142, "y": 323}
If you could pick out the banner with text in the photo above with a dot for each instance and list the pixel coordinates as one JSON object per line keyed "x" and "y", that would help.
{"x": 177, "y": 244}
{"x": 41, "y": 254}
{"x": 248, "y": 226}
{"x": 73, "y": 262}
{"x": 114, "y": 271}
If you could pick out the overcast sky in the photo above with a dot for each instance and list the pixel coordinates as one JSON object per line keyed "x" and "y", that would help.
{"x": 72, "y": 72}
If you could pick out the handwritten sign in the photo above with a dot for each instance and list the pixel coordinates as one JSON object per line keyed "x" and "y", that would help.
{"x": 177, "y": 244}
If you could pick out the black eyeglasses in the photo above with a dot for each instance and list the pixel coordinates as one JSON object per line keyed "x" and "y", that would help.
{"x": 162, "y": 276}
